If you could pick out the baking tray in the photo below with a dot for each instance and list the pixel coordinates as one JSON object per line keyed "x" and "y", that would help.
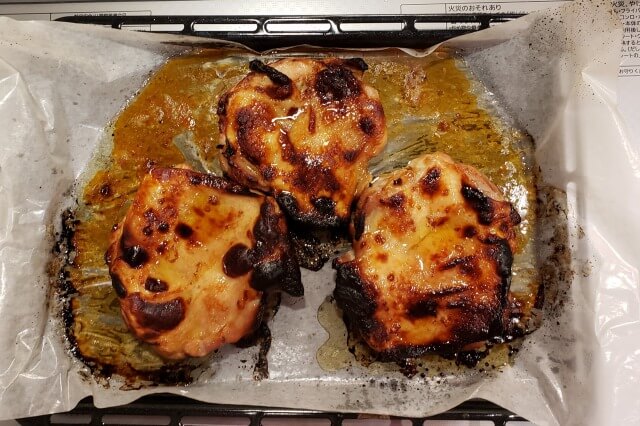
{"x": 272, "y": 32}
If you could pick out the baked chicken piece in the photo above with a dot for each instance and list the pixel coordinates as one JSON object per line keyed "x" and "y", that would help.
{"x": 430, "y": 268}
{"x": 191, "y": 259}
{"x": 303, "y": 130}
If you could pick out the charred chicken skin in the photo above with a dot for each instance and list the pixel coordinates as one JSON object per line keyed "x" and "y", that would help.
{"x": 430, "y": 268}
{"x": 192, "y": 258}
{"x": 303, "y": 130}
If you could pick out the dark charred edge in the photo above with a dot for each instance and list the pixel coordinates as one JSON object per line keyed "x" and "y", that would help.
{"x": 293, "y": 286}
{"x": 404, "y": 354}
{"x": 118, "y": 287}
{"x": 282, "y": 274}
{"x": 513, "y": 330}
{"x": 270, "y": 232}
{"x": 261, "y": 334}
{"x": 407, "y": 357}
{"x": 64, "y": 248}
{"x": 274, "y": 75}
{"x": 460, "y": 339}
{"x": 261, "y": 368}
{"x": 470, "y": 358}
{"x": 353, "y": 296}
{"x": 500, "y": 251}
{"x": 320, "y": 217}
{"x": 541, "y": 298}
{"x": 314, "y": 246}
{"x": 359, "y": 309}
{"x": 479, "y": 202}
{"x": 358, "y": 224}
{"x": 204, "y": 179}
{"x": 174, "y": 374}
{"x": 357, "y": 63}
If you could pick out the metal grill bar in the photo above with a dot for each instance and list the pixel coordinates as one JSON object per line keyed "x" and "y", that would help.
{"x": 260, "y": 33}
{"x": 176, "y": 408}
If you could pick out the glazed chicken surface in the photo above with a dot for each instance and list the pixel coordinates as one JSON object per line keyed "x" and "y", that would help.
{"x": 192, "y": 258}
{"x": 303, "y": 130}
{"x": 430, "y": 268}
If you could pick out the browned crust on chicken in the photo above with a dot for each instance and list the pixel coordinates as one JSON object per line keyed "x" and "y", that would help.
{"x": 192, "y": 257}
{"x": 303, "y": 130}
{"x": 431, "y": 263}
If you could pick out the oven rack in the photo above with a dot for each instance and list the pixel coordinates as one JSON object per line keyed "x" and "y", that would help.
{"x": 262, "y": 33}
{"x": 171, "y": 410}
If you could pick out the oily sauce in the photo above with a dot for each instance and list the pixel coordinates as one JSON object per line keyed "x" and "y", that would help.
{"x": 431, "y": 104}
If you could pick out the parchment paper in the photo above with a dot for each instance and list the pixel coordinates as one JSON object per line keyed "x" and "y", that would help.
{"x": 555, "y": 72}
